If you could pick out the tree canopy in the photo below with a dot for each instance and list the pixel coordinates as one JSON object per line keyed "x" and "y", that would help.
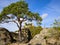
{"x": 20, "y": 9}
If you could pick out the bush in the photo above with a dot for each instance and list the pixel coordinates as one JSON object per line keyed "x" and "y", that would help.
{"x": 35, "y": 30}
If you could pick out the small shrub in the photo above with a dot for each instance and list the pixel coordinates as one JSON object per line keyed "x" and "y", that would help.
{"x": 35, "y": 30}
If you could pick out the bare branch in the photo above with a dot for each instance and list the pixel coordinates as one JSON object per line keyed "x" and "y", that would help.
{"x": 16, "y": 23}
{"x": 11, "y": 21}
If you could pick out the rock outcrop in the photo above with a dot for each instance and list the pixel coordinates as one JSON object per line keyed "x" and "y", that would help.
{"x": 5, "y": 37}
{"x": 46, "y": 37}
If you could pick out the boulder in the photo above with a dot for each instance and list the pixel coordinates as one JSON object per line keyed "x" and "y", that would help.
{"x": 5, "y": 36}
{"x": 46, "y": 37}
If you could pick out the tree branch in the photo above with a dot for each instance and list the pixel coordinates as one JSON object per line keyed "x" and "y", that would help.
{"x": 16, "y": 23}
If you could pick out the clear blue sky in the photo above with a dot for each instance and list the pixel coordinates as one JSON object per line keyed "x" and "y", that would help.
{"x": 49, "y": 10}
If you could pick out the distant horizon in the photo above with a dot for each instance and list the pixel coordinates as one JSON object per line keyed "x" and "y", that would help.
{"x": 49, "y": 10}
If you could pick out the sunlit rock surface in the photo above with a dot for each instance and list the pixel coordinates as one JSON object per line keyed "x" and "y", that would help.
{"x": 46, "y": 37}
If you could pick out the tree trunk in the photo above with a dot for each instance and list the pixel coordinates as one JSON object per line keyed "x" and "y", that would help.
{"x": 20, "y": 33}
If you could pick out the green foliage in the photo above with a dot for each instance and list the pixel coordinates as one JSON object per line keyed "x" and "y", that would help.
{"x": 56, "y": 24}
{"x": 35, "y": 30}
{"x": 19, "y": 8}
{"x": 0, "y": 16}
{"x": 15, "y": 8}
